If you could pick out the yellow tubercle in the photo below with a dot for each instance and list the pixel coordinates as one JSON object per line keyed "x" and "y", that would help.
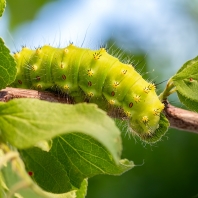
{"x": 38, "y": 50}
{"x": 34, "y": 67}
{"x": 71, "y": 44}
{"x": 66, "y": 87}
{"x": 111, "y": 102}
{"x": 97, "y": 55}
{"x": 124, "y": 71}
{"x": 146, "y": 90}
{"x": 89, "y": 72}
{"x": 137, "y": 98}
{"x": 145, "y": 119}
{"x": 152, "y": 86}
{"x": 66, "y": 50}
{"x": 115, "y": 84}
{"x": 149, "y": 132}
{"x": 16, "y": 55}
{"x": 39, "y": 86}
{"x": 90, "y": 94}
{"x": 24, "y": 48}
{"x": 163, "y": 106}
{"x": 128, "y": 114}
{"x": 102, "y": 49}
{"x": 156, "y": 112}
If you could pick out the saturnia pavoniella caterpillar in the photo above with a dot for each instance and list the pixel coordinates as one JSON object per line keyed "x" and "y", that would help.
{"x": 92, "y": 76}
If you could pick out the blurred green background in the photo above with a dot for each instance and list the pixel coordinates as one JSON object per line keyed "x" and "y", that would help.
{"x": 156, "y": 35}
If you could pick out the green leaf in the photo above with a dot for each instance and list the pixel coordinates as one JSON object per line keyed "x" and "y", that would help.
{"x": 81, "y": 157}
{"x": 71, "y": 194}
{"x": 82, "y": 192}
{"x": 25, "y": 122}
{"x": 186, "y": 83}
{"x": 46, "y": 170}
{"x": 189, "y": 63}
{"x": 2, "y": 6}
{"x": 32, "y": 191}
{"x": 85, "y": 157}
{"x": 191, "y": 104}
{"x": 12, "y": 178}
{"x": 7, "y": 66}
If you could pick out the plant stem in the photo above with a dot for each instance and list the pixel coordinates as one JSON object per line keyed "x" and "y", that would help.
{"x": 7, "y": 157}
{"x": 170, "y": 88}
{"x": 18, "y": 186}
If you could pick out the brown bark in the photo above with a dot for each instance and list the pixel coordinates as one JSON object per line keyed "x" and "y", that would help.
{"x": 181, "y": 119}
{"x": 11, "y": 93}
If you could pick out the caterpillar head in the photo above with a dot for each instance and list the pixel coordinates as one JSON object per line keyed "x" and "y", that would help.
{"x": 145, "y": 124}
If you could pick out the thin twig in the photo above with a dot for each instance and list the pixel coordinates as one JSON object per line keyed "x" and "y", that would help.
{"x": 20, "y": 185}
{"x": 178, "y": 118}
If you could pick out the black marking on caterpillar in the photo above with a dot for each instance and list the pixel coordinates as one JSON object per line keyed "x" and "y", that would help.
{"x": 92, "y": 76}
{"x": 20, "y": 82}
{"x": 63, "y": 77}
{"x": 130, "y": 104}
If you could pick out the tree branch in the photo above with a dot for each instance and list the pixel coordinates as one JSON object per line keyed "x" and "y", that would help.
{"x": 11, "y": 93}
{"x": 181, "y": 119}
{"x": 178, "y": 118}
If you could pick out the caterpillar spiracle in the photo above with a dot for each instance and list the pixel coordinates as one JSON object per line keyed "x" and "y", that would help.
{"x": 92, "y": 76}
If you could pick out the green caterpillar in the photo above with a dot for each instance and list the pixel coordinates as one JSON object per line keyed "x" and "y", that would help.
{"x": 92, "y": 76}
